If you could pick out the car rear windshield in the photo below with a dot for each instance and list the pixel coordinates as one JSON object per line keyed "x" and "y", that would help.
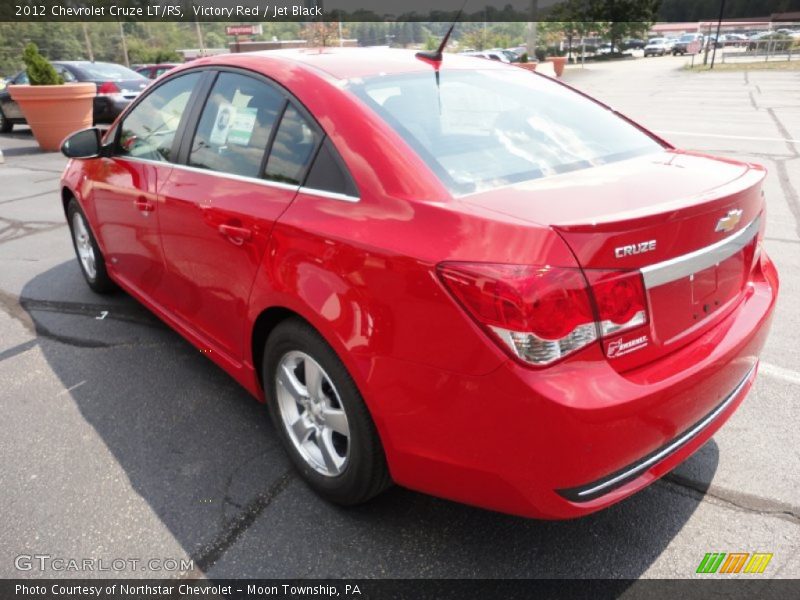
{"x": 483, "y": 129}
{"x": 108, "y": 72}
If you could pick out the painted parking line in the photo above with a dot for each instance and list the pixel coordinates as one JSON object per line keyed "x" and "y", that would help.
{"x": 779, "y": 373}
{"x": 69, "y": 389}
{"x": 727, "y": 137}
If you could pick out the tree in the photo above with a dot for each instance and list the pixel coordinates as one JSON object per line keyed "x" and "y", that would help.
{"x": 619, "y": 18}
{"x": 613, "y": 19}
{"x": 321, "y": 34}
{"x": 474, "y": 40}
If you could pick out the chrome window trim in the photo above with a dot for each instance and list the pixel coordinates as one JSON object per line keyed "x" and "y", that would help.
{"x": 640, "y": 467}
{"x": 327, "y": 194}
{"x": 694, "y": 262}
{"x": 245, "y": 179}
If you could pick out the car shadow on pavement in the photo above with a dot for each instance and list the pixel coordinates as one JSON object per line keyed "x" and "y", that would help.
{"x": 203, "y": 455}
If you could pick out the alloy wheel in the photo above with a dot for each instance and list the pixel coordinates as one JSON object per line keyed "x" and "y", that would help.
{"x": 83, "y": 244}
{"x": 312, "y": 413}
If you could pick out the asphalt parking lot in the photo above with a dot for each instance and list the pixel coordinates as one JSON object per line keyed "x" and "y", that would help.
{"x": 120, "y": 440}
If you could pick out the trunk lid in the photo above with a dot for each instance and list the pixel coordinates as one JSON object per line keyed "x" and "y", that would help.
{"x": 687, "y": 222}
{"x": 132, "y": 88}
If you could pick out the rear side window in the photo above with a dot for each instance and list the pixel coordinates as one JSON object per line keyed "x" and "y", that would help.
{"x": 329, "y": 174}
{"x": 107, "y": 72}
{"x": 148, "y": 131}
{"x": 292, "y": 149}
{"x": 66, "y": 74}
{"x": 236, "y": 125}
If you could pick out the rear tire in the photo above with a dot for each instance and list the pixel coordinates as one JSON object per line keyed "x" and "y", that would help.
{"x": 320, "y": 417}
{"x": 90, "y": 258}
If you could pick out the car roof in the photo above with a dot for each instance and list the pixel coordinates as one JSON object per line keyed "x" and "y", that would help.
{"x": 84, "y": 63}
{"x": 348, "y": 63}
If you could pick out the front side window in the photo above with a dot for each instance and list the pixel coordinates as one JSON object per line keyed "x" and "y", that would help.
{"x": 149, "y": 130}
{"x": 483, "y": 129}
{"x": 236, "y": 124}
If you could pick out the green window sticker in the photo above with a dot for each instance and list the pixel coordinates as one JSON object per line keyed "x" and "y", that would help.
{"x": 242, "y": 125}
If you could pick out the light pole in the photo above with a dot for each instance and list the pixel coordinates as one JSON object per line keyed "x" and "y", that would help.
{"x": 124, "y": 44}
{"x": 719, "y": 26}
{"x": 532, "y": 25}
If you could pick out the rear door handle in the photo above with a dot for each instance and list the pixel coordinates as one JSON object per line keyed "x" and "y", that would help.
{"x": 144, "y": 205}
{"x": 237, "y": 235}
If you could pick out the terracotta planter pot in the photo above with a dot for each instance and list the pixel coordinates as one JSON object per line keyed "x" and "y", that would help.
{"x": 558, "y": 64}
{"x": 530, "y": 66}
{"x": 55, "y": 111}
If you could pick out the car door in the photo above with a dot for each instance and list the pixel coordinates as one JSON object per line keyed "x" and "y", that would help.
{"x": 125, "y": 199}
{"x": 244, "y": 165}
{"x": 10, "y": 108}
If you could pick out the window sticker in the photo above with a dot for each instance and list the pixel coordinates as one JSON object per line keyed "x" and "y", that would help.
{"x": 222, "y": 125}
{"x": 242, "y": 126}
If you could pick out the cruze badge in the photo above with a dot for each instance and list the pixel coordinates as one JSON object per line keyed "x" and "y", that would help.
{"x": 632, "y": 249}
{"x": 729, "y": 221}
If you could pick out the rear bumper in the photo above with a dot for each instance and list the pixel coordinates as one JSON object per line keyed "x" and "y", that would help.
{"x": 527, "y": 442}
{"x": 601, "y": 487}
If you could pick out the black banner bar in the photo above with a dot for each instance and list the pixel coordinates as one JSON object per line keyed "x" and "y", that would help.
{"x": 244, "y": 11}
{"x": 744, "y": 587}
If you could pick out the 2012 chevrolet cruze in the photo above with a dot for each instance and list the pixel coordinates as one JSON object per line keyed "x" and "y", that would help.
{"x": 452, "y": 274}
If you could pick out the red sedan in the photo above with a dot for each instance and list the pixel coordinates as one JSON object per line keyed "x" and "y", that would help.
{"x": 453, "y": 274}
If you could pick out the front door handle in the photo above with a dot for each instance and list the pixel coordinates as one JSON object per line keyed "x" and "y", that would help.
{"x": 144, "y": 205}
{"x": 238, "y": 235}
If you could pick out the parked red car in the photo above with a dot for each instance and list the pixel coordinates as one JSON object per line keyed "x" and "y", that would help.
{"x": 155, "y": 71}
{"x": 456, "y": 275}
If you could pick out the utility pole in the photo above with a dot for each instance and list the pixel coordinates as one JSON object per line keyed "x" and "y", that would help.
{"x": 532, "y": 26}
{"x": 200, "y": 38}
{"x": 88, "y": 41}
{"x": 124, "y": 44}
{"x": 719, "y": 26}
{"x": 199, "y": 33}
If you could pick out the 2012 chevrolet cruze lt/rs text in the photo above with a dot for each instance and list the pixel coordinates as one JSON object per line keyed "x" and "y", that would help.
{"x": 456, "y": 275}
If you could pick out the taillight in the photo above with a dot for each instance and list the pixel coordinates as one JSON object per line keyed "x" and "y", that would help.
{"x": 107, "y": 88}
{"x": 620, "y": 300}
{"x": 542, "y": 314}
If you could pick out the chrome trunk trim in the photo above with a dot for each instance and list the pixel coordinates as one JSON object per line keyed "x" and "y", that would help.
{"x": 694, "y": 262}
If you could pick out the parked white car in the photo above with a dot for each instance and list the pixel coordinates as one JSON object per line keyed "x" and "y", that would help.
{"x": 490, "y": 54}
{"x": 658, "y": 47}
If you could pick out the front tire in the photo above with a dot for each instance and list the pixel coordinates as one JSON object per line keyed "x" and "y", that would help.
{"x": 90, "y": 258}
{"x": 320, "y": 417}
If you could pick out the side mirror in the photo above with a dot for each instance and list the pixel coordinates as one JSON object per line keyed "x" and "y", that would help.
{"x": 85, "y": 143}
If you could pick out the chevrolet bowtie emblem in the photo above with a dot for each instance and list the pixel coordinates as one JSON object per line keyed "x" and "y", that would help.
{"x": 729, "y": 221}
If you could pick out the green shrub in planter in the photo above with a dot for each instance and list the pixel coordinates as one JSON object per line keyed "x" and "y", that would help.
{"x": 541, "y": 54}
{"x": 523, "y": 58}
{"x": 38, "y": 68}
